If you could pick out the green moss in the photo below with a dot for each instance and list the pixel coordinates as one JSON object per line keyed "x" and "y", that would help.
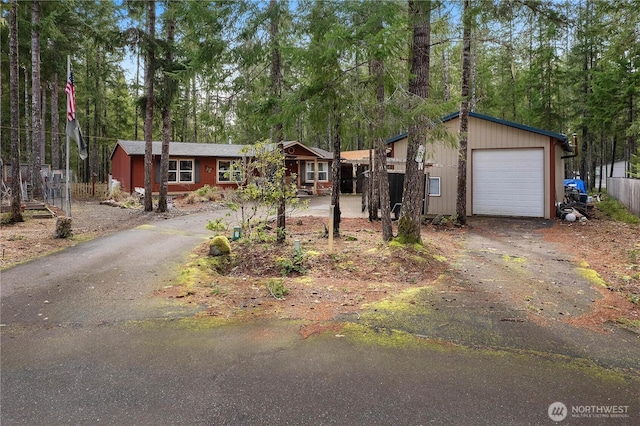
{"x": 592, "y": 276}
{"x": 348, "y": 266}
{"x": 305, "y": 280}
{"x": 146, "y": 226}
{"x": 630, "y": 324}
{"x": 439, "y": 258}
{"x": 221, "y": 243}
{"x": 402, "y": 305}
{"x": 516, "y": 259}
{"x": 380, "y": 337}
{"x": 189, "y": 323}
{"x": 407, "y": 231}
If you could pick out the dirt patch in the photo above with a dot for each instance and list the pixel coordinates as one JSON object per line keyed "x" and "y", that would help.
{"x": 612, "y": 250}
{"x": 324, "y": 286}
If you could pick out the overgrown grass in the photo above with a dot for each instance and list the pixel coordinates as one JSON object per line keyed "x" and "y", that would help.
{"x": 615, "y": 210}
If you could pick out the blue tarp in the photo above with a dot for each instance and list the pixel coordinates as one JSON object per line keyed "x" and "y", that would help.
{"x": 578, "y": 183}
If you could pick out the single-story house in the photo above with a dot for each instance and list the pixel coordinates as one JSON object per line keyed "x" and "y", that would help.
{"x": 194, "y": 165}
{"x": 512, "y": 169}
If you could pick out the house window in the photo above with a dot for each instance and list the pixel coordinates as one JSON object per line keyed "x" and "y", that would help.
{"x": 180, "y": 171}
{"x": 228, "y": 171}
{"x": 323, "y": 171}
{"x": 434, "y": 186}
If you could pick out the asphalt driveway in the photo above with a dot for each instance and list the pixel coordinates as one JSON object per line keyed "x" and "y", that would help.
{"x": 83, "y": 342}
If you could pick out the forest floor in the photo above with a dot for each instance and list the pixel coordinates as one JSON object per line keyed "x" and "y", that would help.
{"x": 327, "y": 284}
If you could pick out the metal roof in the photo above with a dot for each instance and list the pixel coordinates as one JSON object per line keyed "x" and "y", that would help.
{"x": 560, "y": 137}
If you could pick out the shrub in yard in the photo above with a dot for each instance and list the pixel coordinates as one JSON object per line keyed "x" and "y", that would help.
{"x": 295, "y": 264}
{"x": 209, "y": 193}
{"x": 277, "y": 289}
{"x": 217, "y": 225}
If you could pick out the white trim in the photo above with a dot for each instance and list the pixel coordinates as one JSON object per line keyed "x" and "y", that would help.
{"x": 236, "y": 173}
{"x": 309, "y": 168}
{"x": 178, "y": 171}
{"x": 431, "y": 194}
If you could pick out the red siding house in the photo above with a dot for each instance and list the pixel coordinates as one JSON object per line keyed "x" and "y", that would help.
{"x": 194, "y": 165}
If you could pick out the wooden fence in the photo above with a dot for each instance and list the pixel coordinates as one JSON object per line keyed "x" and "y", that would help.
{"x": 627, "y": 191}
{"x": 89, "y": 190}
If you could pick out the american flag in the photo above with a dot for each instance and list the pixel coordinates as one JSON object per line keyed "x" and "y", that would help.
{"x": 73, "y": 128}
{"x": 71, "y": 98}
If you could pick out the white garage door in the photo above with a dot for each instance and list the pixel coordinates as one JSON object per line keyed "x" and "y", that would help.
{"x": 508, "y": 182}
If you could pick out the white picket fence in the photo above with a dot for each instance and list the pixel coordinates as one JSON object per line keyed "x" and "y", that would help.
{"x": 627, "y": 191}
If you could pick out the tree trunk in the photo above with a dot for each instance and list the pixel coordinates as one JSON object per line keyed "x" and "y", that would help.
{"x": 28, "y": 145}
{"x": 56, "y": 163}
{"x": 166, "y": 121}
{"x": 36, "y": 105}
{"x": 94, "y": 154}
{"x": 276, "y": 92}
{"x": 413, "y": 191}
{"x": 194, "y": 104}
{"x": 14, "y": 89}
{"x": 43, "y": 121}
{"x": 461, "y": 203}
{"x": 381, "y": 151}
{"x": 148, "y": 121}
{"x": 335, "y": 169}
{"x": 372, "y": 187}
{"x": 135, "y": 128}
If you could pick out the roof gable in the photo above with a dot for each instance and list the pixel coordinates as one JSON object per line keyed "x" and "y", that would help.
{"x": 561, "y": 138}
{"x": 554, "y": 135}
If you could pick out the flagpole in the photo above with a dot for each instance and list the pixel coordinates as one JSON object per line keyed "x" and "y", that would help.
{"x": 67, "y": 190}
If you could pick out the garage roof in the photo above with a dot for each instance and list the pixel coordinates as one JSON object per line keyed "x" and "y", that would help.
{"x": 560, "y": 137}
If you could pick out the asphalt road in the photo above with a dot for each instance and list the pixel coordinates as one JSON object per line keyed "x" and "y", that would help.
{"x": 83, "y": 342}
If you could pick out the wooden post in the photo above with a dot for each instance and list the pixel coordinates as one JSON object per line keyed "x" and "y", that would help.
{"x": 354, "y": 177}
{"x": 331, "y": 227}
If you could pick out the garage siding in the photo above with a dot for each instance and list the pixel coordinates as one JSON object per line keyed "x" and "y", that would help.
{"x": 508, "y": 182}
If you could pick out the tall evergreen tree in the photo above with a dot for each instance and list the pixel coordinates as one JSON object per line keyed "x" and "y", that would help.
{"x": 276, "y": 98}
{"x": 14, "y": 74}
{"x": 36, "y": 104}
{"x": 461, "y": 201}
{"x": 149, "y": 105}
{"x": 413, "y": 192}
{"x": 168, "y": 93}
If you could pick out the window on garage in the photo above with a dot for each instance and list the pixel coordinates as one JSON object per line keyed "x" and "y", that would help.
{"x": 434, "y": 186}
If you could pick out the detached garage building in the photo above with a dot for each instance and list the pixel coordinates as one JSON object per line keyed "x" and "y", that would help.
{"x": 512, "y": 169}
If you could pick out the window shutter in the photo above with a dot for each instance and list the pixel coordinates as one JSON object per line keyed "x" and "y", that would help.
{"x": 196, "y": 166}
{"x": 157, "y": 173}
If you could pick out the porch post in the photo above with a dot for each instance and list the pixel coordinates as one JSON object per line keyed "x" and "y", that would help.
{"x": 354, "y": 175}
{"x": 315, "y": 176}
{"x": 299, "y": 177}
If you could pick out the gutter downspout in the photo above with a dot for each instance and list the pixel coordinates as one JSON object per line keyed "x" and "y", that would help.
{"x": 575, "y": 148}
